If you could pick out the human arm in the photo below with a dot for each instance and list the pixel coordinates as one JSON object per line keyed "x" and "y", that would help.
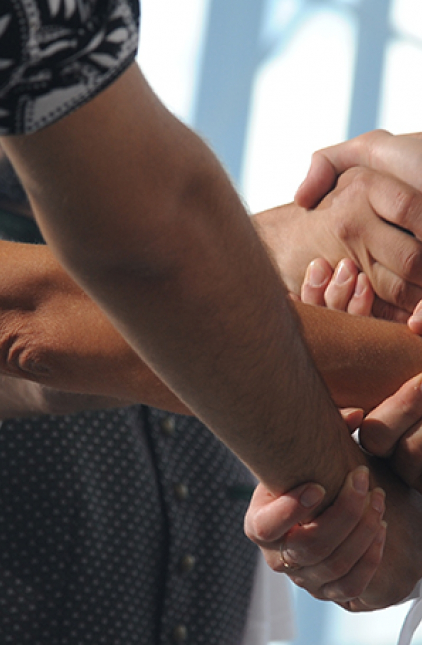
{"x": 328, "y": 556}
{"x": 53, "y": 333}
{"x": 344, "y": 554}
{"x": 393, "y": 430}
{"x": 356, "y": 220}
{"x": 399, "y": 155}
{"x": 216, "y": 325}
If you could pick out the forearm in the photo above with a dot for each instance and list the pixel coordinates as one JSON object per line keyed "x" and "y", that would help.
{"x": 23, "y": 398}
{"x": 52, "y": 333}
{"x": 362, "y": 360}
{"x": 186, "y": 281}
{"x": 291, "y": 239}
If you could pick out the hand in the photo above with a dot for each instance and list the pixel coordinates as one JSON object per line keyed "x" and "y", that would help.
{"x": 345, "y": 289}
{"x": 345, "y": 554}
{"x": 52, "y": 333}
{"x": 380, "y": 150}
{"x": 335, "y": 556}
{"x": 394, "y": 429}
{"x": 338, "y": 556}
{"x": 357, "y": 219}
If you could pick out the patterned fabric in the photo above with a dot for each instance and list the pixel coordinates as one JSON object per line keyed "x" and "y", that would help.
{"x": 57, "y": 54}
{"x": 119, "y": 528}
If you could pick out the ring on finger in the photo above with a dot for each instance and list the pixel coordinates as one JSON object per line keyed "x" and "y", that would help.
{"x": 288, "y": 568}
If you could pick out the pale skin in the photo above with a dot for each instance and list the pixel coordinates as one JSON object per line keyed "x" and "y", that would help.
{"x": 395, "y": 274}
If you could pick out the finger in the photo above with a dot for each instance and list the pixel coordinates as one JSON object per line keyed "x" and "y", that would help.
{"x": 317, "y": 277}
{"x": 415, "y": 320}
{"x": 362, "y": 299}
{"x": 400, "y": 156}
{"x": 407, "y": 457}
{"x": 346, "y": 573}
{"x": 353, "y": 417}
{"x": 268, "y": 518}
{"x": 390, "y": 256}
{"x": 342, "y": 285}
{"x": 384, "y": 426}
{"x": 387, "y": 311}
{"x": 397, "y": 201}
{"x": 312, "y": 543}
{"x": 320, "y": 179}
{"x": 357, "y": 579}
{"x": 393, "y": 288}
{"x": 327, "y": 164}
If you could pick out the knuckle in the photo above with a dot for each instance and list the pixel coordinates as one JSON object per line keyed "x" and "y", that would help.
{"x": 356, "y": 179}
{"x": 344, "y": 229}
{"x": 337, "y": 568}
{"x": 370, "y": 144}
{"x": 398, "y": 291}
{"x": 24, "y": 359}
{"x": 412, "y": 263}
{"x": 317, "y": 552}
{"x": 406, "y": 206}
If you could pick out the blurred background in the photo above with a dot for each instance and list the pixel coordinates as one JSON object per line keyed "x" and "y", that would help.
{"x": 268, "y": 82}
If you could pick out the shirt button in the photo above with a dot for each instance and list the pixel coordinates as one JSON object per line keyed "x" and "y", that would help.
{"x": 168, "y": 426}
{"x": 180, "y": 634}
{"x": 187, "y": 563}
{"x": 181, "y": 491}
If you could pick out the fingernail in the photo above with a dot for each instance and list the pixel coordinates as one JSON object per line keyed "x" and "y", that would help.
{"x": 378, "y": 500}
{"x": 416, "y": 316}
{"x": 316, "y": 275}
{"x": 380, "y": 537}
{"x": 360, "y": 480}
{"x": 342, "y": 273}
{"x": 312, "y": 495}
{"x": 360, "y": 287}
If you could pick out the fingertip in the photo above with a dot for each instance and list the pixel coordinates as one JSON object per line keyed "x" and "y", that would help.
{"x": 318, "y": 273}
{"x": 415, "y": 323}
{"x": 312, "y": 496}
{"x": 317, "y": 277}
{"x": 353, "y": 418}
{"x": 319, "y": 180}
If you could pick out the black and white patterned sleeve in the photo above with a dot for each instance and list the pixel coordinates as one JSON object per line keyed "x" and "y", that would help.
{"x": 56, "y": 55}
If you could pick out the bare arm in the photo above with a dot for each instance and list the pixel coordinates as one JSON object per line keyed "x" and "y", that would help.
{"x": 56, "y": 335}
{"x": 156, "y": 234}
{"x": 366, "y": 217}
{"x": 362, "y": 360}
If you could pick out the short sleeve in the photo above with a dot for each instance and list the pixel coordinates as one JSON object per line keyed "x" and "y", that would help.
{"x": 55, "y": 55}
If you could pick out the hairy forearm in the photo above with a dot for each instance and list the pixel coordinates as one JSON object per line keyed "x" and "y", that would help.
{"x": 184, "y": 278}
{"x": 362, "y": 360}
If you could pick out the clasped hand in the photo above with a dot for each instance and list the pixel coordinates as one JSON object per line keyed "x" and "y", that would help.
{"x": 348, "y": 554}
